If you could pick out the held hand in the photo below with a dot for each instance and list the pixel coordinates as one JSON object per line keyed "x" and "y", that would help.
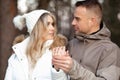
{"x": 61, "y": 59}
{"x": 58, "y": 51}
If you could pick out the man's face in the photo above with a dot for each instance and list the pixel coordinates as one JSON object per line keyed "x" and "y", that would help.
{"x": 81, "y": 21}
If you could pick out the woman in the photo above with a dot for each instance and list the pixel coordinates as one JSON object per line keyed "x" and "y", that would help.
{"x": 32, "y": 57}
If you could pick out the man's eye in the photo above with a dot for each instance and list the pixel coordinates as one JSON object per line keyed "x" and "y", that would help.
{"x": 77, "y": 18}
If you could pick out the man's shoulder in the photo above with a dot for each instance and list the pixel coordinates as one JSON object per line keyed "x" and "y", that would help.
{"x": 106, "y": 42}
{"x": 107, "y": 45}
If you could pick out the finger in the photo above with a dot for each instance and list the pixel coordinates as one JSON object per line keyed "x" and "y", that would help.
{"x": 64, "y": 66}
{"x": 55, "y": 50}
{"x": 63, "y": 50}
{"x": 58, "y": 60}
{"x": 59, "y": 50}
{"x": 63, "y": 62}
{"x": 67, "y": 53}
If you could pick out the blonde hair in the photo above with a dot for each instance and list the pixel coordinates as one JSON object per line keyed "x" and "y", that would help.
{"x": 37, "y": 38}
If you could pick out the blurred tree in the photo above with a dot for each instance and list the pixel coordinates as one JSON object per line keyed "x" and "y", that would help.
{"x": 111, "y": 9}
{"x": 43, "y": 4}
{"x": 7, "y": 12}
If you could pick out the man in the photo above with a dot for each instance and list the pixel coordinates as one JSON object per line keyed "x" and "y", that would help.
{"x": 94, "y": 55}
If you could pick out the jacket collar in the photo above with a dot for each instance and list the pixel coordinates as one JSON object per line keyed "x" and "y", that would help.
{"x": 102, "y": 34}
{"x": 20, "y": 48}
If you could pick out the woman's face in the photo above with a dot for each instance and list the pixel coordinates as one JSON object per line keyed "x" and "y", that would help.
{"x": 50, "y": 28}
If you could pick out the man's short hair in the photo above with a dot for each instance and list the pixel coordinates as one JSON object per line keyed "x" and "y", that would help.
{"x": 92, "y": 5}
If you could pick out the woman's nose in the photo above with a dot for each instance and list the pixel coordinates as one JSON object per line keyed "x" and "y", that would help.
{"x": 51, "y": 27}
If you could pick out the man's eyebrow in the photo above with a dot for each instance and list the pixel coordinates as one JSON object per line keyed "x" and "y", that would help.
{"x": 77, "y": 18}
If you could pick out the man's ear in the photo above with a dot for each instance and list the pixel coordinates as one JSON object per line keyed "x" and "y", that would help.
{"x": 92, "y": 21}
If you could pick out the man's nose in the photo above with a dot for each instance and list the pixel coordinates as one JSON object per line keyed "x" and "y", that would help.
{"x": 73, "y": 22}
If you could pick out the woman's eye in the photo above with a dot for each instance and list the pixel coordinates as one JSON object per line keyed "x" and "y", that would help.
{"x": 53, "y": 24}
{"x": 50, "y": 23}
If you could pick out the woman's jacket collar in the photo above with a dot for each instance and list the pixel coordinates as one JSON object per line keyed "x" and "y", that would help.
{"x": 20, "y": 48}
